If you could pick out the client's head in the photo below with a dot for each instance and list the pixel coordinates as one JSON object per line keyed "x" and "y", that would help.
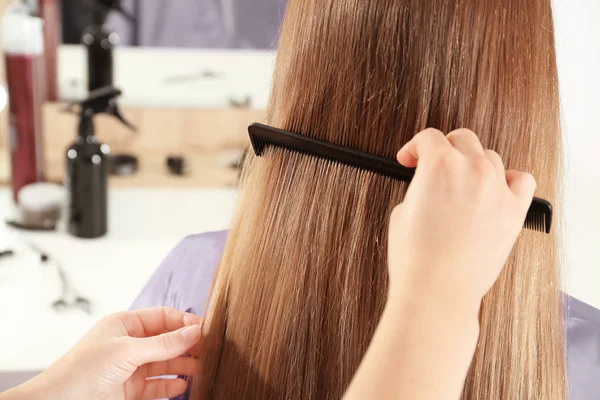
{"x": 303, "y": 279}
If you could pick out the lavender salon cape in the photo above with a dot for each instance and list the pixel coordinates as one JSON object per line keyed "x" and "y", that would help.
{"x": 183, "y": 281}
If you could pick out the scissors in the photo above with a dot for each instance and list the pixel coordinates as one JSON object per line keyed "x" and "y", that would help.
{"x": 69, "y": 298}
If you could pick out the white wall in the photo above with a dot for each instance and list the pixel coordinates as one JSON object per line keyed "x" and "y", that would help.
{"x": 578, "y": 40}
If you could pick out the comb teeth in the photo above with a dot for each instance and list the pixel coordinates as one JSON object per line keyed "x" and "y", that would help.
{"x": 260, "y": 145}
{"x": 537, "y": 222}
{"x": 539, "y": 216}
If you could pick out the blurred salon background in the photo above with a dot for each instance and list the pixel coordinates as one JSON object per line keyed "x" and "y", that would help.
{"x": 135, "y": 115}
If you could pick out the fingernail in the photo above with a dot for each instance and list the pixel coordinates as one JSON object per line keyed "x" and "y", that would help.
{"x": 192, "y": 333}
{"x": 190, "y": 319}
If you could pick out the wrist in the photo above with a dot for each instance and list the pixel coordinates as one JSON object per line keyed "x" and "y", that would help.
{"x": 422, "y": 348}
{"x": 455, "y": 318}
{"x": 439, "y": 303}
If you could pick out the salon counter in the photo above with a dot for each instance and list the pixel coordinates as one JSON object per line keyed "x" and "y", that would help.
{"x": 144, "y": 226}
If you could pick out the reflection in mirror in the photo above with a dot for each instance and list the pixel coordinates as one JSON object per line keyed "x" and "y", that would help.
{"x": 200, "y": 24}
{"x": 170, "y": 53}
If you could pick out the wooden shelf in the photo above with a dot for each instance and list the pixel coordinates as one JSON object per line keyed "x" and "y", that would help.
{"x": 208, "y": 139}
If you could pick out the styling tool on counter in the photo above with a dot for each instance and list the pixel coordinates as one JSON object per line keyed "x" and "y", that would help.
{"x": 39, "y": 206}
{"x": 44, "y": 257}
{"x": 24, "y": 227}
{"x": 539, "y": 217}
{"x": 69, "y": 297}
{"x": 7, "y": 243}
{"x": 233, "y": 159}
{"x": 245, "y": 102}
{"x": 23, "y": 45}
{"x": 123, "y": 165}
{"x": 177, "y": 165}
{"x": 100, "y": 41}
{"x": 6, "y": 253}
{"x": 194, "y": 77}
{"x": 88, "y": 167}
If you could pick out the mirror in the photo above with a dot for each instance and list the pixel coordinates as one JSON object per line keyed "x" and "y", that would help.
{"x": 177, "y": 53}
{"x": 199, "y": 24}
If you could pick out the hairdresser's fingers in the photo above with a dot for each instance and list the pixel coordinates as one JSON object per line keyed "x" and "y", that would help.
{"x": 154, "y": 321}
{"x": 466, "y": 142}
{"x": 186, "y": 366}
{"x": 523, "y": 186}
{"x": 498, "y": 164}
{"x": 164, "y": 347}
{"x": 163, "y": 389}
{"x": 197, "y": 349}
{"x": 425, "y": 142}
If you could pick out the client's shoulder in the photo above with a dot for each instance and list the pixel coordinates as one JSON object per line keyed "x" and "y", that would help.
{"x": 198, "y": 253}
{"x": 583, "y": 349}
{"x": 580, "y": 317}
{"x": 204, "y": 244}
{"x": 184, "y": 277}
{"x": 576, "y": 307}
{"x": 193, "y": 264}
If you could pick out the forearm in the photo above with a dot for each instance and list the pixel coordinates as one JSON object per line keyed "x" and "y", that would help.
{"x": 22, "y": 392}
{"x": 420, "y": 351}
{"x": 39, "y": 388}
{"x": 19, "y": 393}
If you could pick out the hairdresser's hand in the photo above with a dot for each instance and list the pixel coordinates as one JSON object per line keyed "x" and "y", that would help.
{"x": 459, "y": 221}
{"x": 114, "y": 359}
{"x": 448, "y": 243}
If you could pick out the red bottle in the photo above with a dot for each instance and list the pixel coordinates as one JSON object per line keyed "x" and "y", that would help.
{"x": 24, "y": 49}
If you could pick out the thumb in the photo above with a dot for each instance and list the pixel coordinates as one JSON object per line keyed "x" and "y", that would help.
{"x": 522, "y": 185}
{"x": 166, "y": 346}
{"x": 426, "y": 141}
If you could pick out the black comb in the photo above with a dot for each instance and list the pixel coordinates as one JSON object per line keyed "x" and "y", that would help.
{"x": 539, "y": 216}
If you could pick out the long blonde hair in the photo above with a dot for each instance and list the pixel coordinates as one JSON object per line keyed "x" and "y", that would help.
{"x": 303, "y": 279}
